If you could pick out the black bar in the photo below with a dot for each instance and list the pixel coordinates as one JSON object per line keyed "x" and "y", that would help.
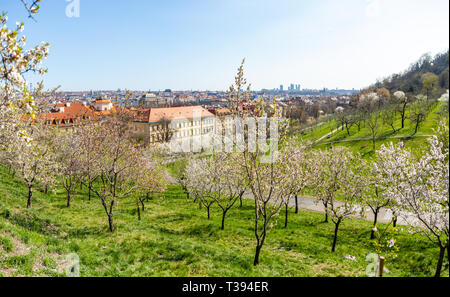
{"x": 239, "y": 286}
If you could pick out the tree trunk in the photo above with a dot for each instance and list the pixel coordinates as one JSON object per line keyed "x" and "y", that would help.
{"x": 30, "y": 195}
{"x": 68, "y": 198}
{"x": 440, "y": 261}
{"x": 393, "y": 128}
{"x": 89, "y": 190}
{"x": 143, "y": 205}
{"x": 207, "y": 209}
{"x": 138, "y": 211}
{"x": 258, "y": 251}
{"x": 223, "y": 219}
{"x": 326, "y": 212}
{"x": 394, "y": 221}
{"x": 286, "y": 213}
{"x": 417, "y": 127}
{"x": 296, "y": 204}
{"x": 333, "y": 249}
{"x": 46, "y": 189}
{"x": 372, "y": 234}
{"x": 403, "y": 115}
{"x": 111, "y": 222}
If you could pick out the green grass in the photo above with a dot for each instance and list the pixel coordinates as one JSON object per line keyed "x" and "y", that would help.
{"x": 360, "y": 141}
{"x": 175, "y": 238}
{"x": 316, "y": 132}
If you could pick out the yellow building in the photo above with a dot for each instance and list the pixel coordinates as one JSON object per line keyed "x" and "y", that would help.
{"x": 158, "y": 125}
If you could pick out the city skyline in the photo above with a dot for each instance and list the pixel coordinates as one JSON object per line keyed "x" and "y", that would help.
{"x": 198, "y": 45}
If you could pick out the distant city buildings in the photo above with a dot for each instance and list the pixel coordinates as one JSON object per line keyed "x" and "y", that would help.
{"x": 292, "y": 88}
{"x": 150, "y": 100}
{"x": 154, "y": 110}
{"x": 172, "y": 98}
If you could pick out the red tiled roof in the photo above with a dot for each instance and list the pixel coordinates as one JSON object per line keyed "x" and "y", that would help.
{"x": 114, "y": 110}
{"x": 171, "y": 113}
{"x": 142, "y": 115}
{"x": 74, "y": 111}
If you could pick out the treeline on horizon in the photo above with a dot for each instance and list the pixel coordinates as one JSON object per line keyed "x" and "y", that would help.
{"x": 411, "y": 80}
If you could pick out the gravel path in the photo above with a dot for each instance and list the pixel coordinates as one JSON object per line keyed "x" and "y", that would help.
{"x": 310, "y": 204}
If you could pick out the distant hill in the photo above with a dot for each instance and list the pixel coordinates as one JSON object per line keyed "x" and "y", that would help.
{"x": 429, "y": 76}
{"x": 410, "y": 81}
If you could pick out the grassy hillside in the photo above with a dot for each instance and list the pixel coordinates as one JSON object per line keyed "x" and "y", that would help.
{"x": 360, "y": 141}
{"x": 411, "y": 79}
{"x": 174, "y": 238}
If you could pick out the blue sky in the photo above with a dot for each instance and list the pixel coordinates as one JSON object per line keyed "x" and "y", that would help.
{"x": 198, "y": 44}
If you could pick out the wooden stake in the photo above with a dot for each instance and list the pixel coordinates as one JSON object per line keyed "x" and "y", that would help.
{"x": 381, "y": 267}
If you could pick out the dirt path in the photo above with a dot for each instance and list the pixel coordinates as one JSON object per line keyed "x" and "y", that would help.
{"x": 329, "y": 134}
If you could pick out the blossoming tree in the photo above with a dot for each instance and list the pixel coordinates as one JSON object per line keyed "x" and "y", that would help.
{"x": 34, "y": 160}
{"x": 298, "y": 173}
{"x": 67, "y": 151}
{"x": 420, "y": 189}
{"x": 199, "y": 183}
{"x": 150, "y": 178}
{"x": 262, "y": 162}
{"x": 15, "y": 98}
{"x": 225, "y": 182}
{"x": 121, "y": 166}
{"x": 374, "y": 197}
{"x": 89, "y": 138}
{"x": 339, "y": 184}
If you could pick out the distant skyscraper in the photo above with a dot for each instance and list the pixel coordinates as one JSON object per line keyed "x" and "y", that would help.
{"x": 281, "y": 88}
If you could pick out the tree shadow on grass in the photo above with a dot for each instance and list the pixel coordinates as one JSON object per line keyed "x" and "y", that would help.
{"x": 87, "y": 231}
{"x": 173, "y": 217}
{"x": 201, "y": 230}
